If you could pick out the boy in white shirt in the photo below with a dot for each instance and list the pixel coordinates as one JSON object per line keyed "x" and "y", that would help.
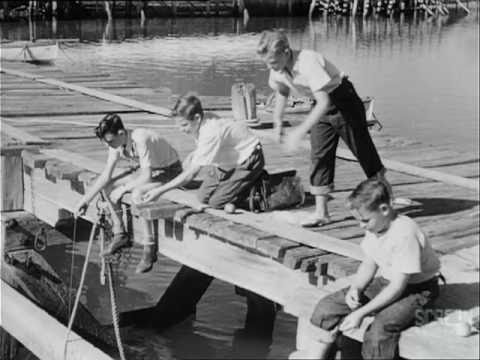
{"x": 395, "y": 245}
{"x": 232, "y": 154}
{"x": 338, "y": 112}
{"x": 158, "y": 162}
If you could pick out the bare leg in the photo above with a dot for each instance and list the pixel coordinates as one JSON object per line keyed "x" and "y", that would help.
{"x": 321, "y": 206}
{"x": 312, "y": 343}
{"x": 320, "y": 216}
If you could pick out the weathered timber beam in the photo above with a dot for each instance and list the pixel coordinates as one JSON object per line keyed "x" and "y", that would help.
{"x": 22, "y": 136}
{"x": 91, "y": 92}
{"x": 43, "y": 335}
{"x": 263, "y": 221}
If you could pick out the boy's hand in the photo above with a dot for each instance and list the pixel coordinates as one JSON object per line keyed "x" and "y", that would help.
{"x": 293, "y": 140}
{"x": 351, "y": 321}
{"x": 352, "y": 298}
{"x": 116, "y": 194}
{"x": 81, "y": 209}
{"x": 150, "y": 195}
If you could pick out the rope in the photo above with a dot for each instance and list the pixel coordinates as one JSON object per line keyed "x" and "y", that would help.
{"x": 116, "y": 327}
{"x": 79, "y": 290}
{"x": 72, "y": 262}
{"x": 113, "y": 302}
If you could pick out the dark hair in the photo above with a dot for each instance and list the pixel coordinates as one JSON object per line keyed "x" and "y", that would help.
{"x": 111, "y": 123}
{"x": 369, "y": 194}
{"x": 187, "y": 106}
{"x": 272, "y": 42}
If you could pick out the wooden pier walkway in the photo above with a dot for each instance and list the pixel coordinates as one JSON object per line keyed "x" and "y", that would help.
{"x": 265, "y": 253}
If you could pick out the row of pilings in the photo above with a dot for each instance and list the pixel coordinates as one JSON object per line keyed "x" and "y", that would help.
{"x": 75, "y": 9}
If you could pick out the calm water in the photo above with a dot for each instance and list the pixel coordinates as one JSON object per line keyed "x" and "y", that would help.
{"x": 424, "y": 75}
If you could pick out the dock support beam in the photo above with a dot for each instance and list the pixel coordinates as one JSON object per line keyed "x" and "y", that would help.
{"x": 12, "y": 179}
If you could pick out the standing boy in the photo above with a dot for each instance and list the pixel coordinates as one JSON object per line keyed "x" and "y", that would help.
{"x": 395, "y": 245}
{"x": 338, "y": 112}
{"x": 158, "y": 162}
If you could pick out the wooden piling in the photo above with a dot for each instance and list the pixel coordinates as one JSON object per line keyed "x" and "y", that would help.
{"x": 12, "y": 179}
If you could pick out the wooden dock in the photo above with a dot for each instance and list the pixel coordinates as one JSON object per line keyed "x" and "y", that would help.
{"x": 266, "y": 254}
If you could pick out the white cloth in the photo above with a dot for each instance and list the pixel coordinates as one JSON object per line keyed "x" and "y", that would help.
{"x": 146, "y": 147}
{"x": 224, "y": 143}
{"x": 311, "y": 72}
{"x": 403, "y": 248}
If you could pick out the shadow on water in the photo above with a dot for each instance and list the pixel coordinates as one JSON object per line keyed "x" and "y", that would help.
{"x": 437, "y": 206}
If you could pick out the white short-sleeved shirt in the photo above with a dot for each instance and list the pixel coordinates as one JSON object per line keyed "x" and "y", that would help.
{"x": 224, "y": 143}
{"x": 403, "y": 248}
{"x": 146, "y": 147}
{"x": 311, "y": 72}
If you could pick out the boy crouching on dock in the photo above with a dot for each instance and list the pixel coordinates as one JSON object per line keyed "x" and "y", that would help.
{"x": 230, "y": 153}
{"x": 410, "y": 268}
{"x": 158, "y": 162}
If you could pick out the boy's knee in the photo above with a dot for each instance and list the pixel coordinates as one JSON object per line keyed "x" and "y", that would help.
{"x": 378, "y": 331}
{"x": 217, "y": 202}
{"x": 203, "y": 197}
{"x": 380, "y": 342}
{"x": 319, "y": 316}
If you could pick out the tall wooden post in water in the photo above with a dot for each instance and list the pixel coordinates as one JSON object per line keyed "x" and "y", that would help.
{"x": 108, "y": 9}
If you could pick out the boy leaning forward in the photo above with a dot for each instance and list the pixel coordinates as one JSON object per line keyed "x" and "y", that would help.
{"x": 337, "y": 112}
{"x": 154, "y": 159}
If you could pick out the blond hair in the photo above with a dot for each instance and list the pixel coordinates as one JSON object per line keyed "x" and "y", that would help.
{"x": 272, "y": 42}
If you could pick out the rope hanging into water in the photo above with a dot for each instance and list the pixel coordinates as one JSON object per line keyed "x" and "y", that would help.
{"x": 111, "y": 287}
{"x": 113, "y": 303}
{"x": 79, "y": 290}
{"x": 72, "y": 262}
{"x": 99, "y": 223}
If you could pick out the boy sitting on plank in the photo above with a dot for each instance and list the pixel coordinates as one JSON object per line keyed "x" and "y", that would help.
{"x": 395, "y": 245}
{"x": 158, "y": 162}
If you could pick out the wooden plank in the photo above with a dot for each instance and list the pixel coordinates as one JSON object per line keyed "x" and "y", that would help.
{"x": 159, "y": 210}
{"x": 294, "y": 257}
{"x": 91, "y": 92}
{"x": 43, "y": 335}
{"x": 61, "y": 170}
{"x": 275, "y": 247}
{"x": 34, "y": 159}
{"x": 398, "y": 166}
{"x": 12, "y": 181}
{"x": 23, "y": 136}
